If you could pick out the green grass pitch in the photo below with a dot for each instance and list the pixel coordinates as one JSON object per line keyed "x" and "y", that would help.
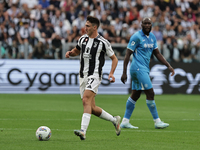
{"x": 22, "y": 114}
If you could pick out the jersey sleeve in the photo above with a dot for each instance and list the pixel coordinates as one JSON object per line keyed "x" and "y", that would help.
{"x": 133, "y": 42}
{"x": 109, "y": 50}
{"x": 78, "y": 46}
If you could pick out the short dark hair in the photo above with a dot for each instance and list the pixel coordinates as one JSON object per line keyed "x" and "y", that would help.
{"x": 145, "y": 19}
{"x": 93, "y": 20}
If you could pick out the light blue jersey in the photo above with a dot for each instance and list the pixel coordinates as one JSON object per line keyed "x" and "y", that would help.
{"x": 142, "y": 47}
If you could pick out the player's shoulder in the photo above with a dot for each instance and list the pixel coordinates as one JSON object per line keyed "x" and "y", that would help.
{"x": 136, "y": 36}
{"x": 84, "y": 36}
{"x": 103, "y": 40}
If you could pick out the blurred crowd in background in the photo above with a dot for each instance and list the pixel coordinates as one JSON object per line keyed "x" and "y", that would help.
{"x": 40, "y": 28}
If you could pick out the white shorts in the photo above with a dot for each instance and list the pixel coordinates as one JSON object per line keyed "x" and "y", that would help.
{"x": 89, "y": 83}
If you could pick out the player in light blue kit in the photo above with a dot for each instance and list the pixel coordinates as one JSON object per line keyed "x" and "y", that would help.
{"x": 141, "y": 45}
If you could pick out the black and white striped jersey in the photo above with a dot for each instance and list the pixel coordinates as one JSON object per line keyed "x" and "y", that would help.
{"x": 92, "y": 54}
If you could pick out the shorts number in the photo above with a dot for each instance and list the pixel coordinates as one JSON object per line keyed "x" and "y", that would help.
{"x": 90, "y": 80}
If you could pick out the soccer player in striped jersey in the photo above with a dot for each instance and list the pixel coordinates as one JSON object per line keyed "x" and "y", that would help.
{"x": 92, "y": 49}
{"x": 141, "y": 46}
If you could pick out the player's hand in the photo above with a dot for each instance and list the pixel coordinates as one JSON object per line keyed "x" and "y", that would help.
{"x": 67, "y": 55}
{"x": 171, "y": 70}
{"x": 111, "y": 78}
{"x": 124, "y": 78}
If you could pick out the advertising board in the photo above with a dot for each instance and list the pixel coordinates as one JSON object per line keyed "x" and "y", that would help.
{"x": 61, "y": 77}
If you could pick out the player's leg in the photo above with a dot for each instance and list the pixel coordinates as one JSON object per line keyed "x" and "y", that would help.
{"x": 99, "y": 112}
{"x": 145, "y": 81}
{"x": 87, "y": 106}
{"x": 151, "y": 103}
{"x": 86, "y": 96}
{"x": 130, "y": 104}
{"x": 152, "y": 108}
{"x": 94, "y": 83}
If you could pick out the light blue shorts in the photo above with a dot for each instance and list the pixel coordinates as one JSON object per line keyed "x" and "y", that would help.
{"x": 140, "y": 80}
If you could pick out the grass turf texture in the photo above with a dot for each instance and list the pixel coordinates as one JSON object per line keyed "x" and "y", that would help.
{"x": 22, "y": 114}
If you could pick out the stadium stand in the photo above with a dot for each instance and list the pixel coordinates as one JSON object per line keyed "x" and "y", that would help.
{"x": 46, "y": 29}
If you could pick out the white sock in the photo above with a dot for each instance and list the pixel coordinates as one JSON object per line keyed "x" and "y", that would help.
{"x": 156, "y": 120}
{"x": 107, "y": 116}
{"x": 125, "y": 120}
{"x": 85, "y": 122}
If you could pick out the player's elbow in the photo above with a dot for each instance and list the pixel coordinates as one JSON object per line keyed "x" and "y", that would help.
{"x": 114, "y": 58}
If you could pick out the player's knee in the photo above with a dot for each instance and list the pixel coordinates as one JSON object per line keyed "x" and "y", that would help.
{"x": 150, "y": 95}
{"x": 135, "y": 98}
{"x": 135, "y": 95}
{"x": 85, "y": 100}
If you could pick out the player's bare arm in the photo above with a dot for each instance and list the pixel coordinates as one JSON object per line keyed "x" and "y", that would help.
{"x": 160, "y": 57}
{"x": 113, "y": 67}
{"x": 126, "y": 61}
{"x": 73, "y": 52}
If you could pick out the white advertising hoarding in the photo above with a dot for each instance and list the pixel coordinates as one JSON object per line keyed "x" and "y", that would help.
{"x": 61, "y": 77}
{"x": 53, "y": 76}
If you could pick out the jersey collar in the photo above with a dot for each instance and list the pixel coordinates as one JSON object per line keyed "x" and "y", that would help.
{"x": 142, "y": 33}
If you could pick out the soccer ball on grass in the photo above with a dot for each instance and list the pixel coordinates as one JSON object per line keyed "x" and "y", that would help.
{"x": 43, "y": 133}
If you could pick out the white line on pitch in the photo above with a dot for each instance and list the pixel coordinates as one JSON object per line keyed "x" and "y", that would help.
{"x": 11, "y": 119}
{"x": 125, "y": 130}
